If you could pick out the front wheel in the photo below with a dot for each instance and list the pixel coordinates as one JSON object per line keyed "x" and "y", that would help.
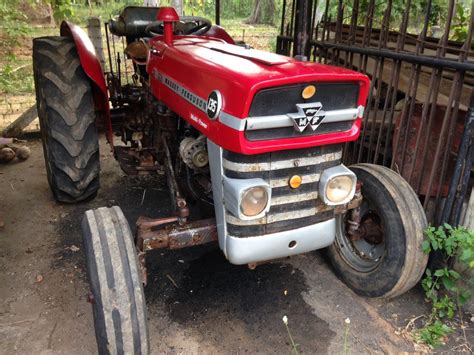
{"x": 383, "y": 257}
{"x": 118, "y": 300}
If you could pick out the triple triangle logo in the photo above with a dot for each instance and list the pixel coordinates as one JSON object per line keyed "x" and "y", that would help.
{"x": 310, "y": 114}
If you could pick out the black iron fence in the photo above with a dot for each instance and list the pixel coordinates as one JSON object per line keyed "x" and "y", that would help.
{"x": 420, "y": 114}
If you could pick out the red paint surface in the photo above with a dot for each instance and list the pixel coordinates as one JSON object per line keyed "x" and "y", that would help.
{"x": 202, "y": 65}
{"x": 91, "y": 66}
{"x": 219, "y": 32}
{"x": 168, "y": 15}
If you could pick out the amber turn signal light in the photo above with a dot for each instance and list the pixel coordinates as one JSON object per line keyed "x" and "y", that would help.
{"x": 308, "y": 92}
{"x": 295, "y": 181}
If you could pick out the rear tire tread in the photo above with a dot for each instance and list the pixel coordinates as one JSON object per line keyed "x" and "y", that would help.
{"x": 67, "y": 119}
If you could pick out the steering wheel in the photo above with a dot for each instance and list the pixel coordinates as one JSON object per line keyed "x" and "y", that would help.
{"x": 187, "y": 25}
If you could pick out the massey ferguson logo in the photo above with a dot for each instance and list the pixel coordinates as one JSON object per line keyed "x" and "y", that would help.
{"x": 214, "y": 104}
{"x": 311, "y": 114}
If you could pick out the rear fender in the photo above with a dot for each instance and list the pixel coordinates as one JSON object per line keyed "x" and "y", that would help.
{"x": 219, "y": 32}
{"x": 91, "y": 65}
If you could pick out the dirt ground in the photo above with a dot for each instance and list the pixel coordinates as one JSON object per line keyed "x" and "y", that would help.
{"x": 215, "y": 307}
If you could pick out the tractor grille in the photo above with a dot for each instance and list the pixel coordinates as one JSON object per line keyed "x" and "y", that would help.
{"x": 282, "y": 100}
{"x": 290, "y": 208}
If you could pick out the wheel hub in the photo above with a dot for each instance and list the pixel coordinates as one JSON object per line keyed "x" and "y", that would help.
{"x": 360, "y": 236}
{"x": 369, "y": 229}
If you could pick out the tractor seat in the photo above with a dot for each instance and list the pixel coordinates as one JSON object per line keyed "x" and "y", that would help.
{"x": 137, "y": 51}
{"x": 133, "y": 21}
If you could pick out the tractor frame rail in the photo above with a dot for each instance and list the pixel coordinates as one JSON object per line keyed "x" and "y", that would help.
{"x": 171, "y": 235}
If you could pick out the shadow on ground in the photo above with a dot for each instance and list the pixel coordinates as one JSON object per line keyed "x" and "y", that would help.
{"x": 198, "y": 289}
{"x": 217, "y": 300}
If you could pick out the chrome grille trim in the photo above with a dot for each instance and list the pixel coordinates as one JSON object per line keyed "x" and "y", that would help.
{"x": 289, "y": 208}
{"x": 277, "y": 217}
{"x": 280, "y": 164}
{"x": 305, "y": 179}
{"x": 282, "y": 200}
{"x": 279, "y": 121}
{"x": 232, "y": 121}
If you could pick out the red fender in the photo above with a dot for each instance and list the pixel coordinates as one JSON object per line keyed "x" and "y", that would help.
{"x": 91, "y": 65}
{"x": 218, "y": 32}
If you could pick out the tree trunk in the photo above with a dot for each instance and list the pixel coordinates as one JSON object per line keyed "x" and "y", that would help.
{"x": 263, "y": 12}
{"x": 256, "y": 15}
{"x": 271, "y": 10}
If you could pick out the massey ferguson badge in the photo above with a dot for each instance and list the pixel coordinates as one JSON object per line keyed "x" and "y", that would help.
{"x": 311, "y": 114}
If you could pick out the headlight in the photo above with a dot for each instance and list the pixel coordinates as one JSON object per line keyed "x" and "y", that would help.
{"x": 337, "y": 185}
{"x": 254, "y": 201}
{"x": 247, "y": 199}
{"x": 339, "y": 188}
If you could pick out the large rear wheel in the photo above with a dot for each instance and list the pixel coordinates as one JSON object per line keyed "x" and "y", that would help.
{"x": 383, "y": 257}
{"x": 67, "y": 119}
{"x": 118, "y": 301}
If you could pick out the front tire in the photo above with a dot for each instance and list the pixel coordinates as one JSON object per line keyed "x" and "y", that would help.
{"x": 67, "y": 118}
{"x": 386, "y": 260}
{"x": 118, "y": 302}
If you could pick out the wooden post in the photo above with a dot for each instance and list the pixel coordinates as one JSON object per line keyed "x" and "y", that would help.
{"x": 469, "y": 218}
{"x": 95, "y": 34}
{"x": 15, "y": 129}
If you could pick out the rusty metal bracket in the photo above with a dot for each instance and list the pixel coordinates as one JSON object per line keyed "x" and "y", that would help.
{"x": 171, "y": 235}
{"x": 353, "y": 221}
{"x": 356, "y": 201}
{"x": 356, "y": 228}
{"x": 135, "y": 161}
{"x": 176, "y": 236}
{"x": 179, "y": 201}
{"x": 353, "y": 209}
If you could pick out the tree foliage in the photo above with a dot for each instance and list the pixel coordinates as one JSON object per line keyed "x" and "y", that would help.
{"x": 13, "y": 26}
{"x": 445, "y": 288}
{"x": 418, "y": 12}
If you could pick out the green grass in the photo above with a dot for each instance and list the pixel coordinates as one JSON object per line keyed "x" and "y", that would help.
{"x": 44, "y": 31}
{"x": 258, "y": 36}
{"x": 16, "y": 77}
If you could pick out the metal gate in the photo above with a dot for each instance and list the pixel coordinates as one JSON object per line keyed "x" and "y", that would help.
{"x": 420, "y": 114}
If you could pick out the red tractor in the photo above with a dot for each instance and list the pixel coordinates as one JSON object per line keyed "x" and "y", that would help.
{"x": 257, "y": 136}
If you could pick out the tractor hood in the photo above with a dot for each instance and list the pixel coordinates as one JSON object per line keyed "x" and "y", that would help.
{"x": 253, "y": 55}
{"x": 185, "y": 74}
